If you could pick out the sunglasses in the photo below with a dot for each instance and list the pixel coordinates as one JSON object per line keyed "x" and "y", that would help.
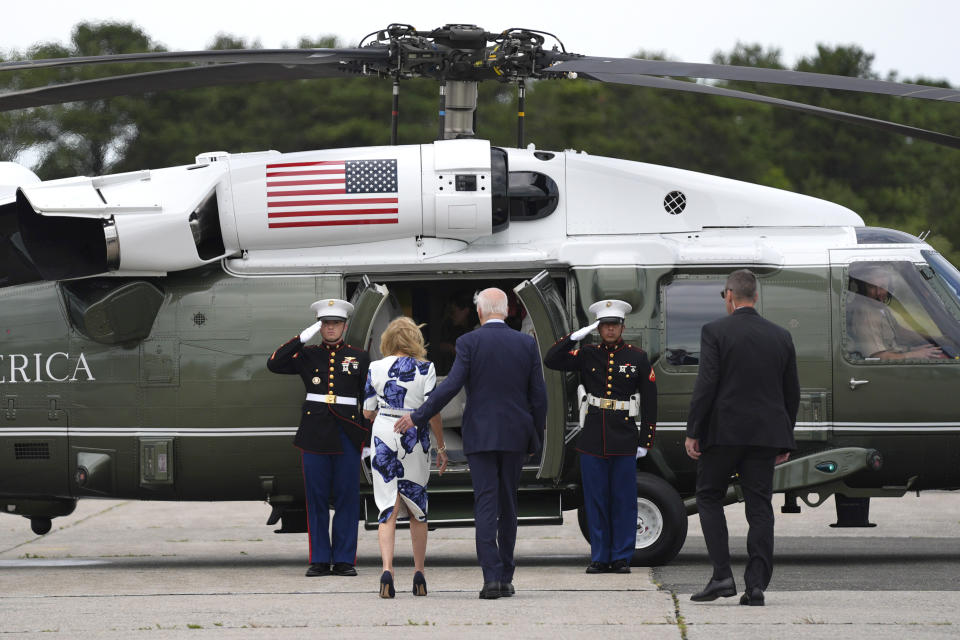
{"x": 723, "y": 294}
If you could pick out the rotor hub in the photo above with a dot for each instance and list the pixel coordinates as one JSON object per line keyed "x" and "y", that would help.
{"x": 462, "y": 52}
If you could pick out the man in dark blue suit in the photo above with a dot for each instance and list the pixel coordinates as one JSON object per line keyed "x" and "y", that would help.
{"x": 503, "y": 423}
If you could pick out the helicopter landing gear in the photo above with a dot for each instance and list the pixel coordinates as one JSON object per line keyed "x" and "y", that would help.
{"x": 852, "y": 512}
{"x": 41, "y": 526}
{"x": 661, "y": 522}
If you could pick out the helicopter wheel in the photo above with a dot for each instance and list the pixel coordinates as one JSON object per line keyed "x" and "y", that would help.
{"x": 41, "y": 526}
{"x": 661, "y": 522}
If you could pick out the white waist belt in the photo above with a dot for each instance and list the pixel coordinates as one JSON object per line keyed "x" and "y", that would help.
{"x": 331, "y": 399}
{"x": 632, "y": 405}
{"x": 395, "y": 412}
{"x": 607, "y": 403}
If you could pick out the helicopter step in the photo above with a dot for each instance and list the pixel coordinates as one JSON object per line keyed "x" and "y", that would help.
{"x": 821, "y": 473}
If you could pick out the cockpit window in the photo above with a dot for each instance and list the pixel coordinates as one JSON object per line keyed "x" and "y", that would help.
{"x": 946, "y": 272}
{"x": 893, "y": 314}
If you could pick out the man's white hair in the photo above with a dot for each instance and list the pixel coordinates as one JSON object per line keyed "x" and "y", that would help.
{"x": 492, "y": 301}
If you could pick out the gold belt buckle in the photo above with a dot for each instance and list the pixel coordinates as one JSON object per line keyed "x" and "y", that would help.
{"x": 606, "y": 403}
{"x": 330, "y": 399}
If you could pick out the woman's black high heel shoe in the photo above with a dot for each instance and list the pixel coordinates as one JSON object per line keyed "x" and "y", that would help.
{"x": 386, "y": 585}
{"x": 419, "y": 584}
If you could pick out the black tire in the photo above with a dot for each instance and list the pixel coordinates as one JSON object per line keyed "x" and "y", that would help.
{"x": 41, "y": 526}
{"x": 661, "y": 510}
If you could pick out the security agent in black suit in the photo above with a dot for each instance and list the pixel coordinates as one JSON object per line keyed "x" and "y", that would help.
{"x": 742, "y": 415}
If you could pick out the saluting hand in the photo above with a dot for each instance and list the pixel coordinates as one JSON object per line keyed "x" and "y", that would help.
{"x": 404, "y": 423}
{"x": 580, "y": 334}
{"x": 310, "y": 331}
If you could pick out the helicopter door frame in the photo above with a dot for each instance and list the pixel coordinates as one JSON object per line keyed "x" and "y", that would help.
{"x": 367, "y": 301}
{"x": 542, "y": 300}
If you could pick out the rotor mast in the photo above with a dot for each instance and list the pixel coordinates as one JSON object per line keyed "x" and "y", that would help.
{"x": 460, "y": 109}
{"x": 459, "y": 56}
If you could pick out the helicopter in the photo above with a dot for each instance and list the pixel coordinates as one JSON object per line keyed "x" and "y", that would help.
{"x": 139, "y": 309}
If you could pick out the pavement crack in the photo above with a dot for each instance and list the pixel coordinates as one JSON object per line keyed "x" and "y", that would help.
{"x": 678, "y": 618}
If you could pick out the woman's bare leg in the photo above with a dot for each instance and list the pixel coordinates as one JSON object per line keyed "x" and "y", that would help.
{"x": 386, "y": 533}
{"x": 418, "y": 535}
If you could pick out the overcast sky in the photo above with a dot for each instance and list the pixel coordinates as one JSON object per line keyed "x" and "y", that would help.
{"x": 915, "y": 38}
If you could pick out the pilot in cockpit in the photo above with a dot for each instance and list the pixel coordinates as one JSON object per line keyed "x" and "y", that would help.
{"x": 872, "y": 329}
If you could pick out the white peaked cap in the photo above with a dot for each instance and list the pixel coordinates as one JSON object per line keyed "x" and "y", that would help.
{"x": 610, "y": 310}
{"x": 332, "y": 308}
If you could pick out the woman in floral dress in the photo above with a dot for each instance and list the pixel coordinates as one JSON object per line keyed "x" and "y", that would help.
{"x": 396, "y": 385}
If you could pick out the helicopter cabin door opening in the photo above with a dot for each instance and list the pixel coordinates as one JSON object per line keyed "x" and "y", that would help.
{"x": 444, "y": 305}
{"x": 898, "y": 331}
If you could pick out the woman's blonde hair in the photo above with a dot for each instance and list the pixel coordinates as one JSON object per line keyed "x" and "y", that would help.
{"x": 403, "y": 336}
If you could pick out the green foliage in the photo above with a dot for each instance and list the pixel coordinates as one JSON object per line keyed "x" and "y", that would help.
{"x": 888, "y": 179}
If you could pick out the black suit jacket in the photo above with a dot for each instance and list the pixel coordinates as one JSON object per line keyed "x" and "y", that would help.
{"x": 747, "y": 390}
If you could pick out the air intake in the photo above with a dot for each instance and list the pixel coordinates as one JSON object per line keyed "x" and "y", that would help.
{"x": 31, "y": 450}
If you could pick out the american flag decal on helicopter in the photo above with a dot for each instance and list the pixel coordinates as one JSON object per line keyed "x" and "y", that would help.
{"x": 332, "y": 193}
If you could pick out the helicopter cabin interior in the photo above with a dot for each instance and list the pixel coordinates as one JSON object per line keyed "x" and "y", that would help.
{"x": 446, "y": 309}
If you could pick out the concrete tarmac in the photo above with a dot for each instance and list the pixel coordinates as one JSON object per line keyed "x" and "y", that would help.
{"x": 170, "y": 570}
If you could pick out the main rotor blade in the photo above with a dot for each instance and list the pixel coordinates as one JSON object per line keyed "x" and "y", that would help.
{"x": 628, "y": 67}
{"x": 269, "y": 56}
{"x": 679, "y": 85}
{"x": 186, "y": 78}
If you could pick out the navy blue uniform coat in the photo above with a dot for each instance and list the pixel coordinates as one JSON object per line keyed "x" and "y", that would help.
{"x": 506, "y": 396}
{"x": 339, "y": 369}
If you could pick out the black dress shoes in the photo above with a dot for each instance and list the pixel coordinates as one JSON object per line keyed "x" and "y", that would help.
{"x": 490, "y": 591}
{"x": 620, "y": 566}
{"x": 716, "y": 589}
{"x": 752, "y": 597}
{"x": 598, "y": 567}
{"x": 344, "y": 569}
{"x": 506, "y": 589}
{"x": 318, "y": 569}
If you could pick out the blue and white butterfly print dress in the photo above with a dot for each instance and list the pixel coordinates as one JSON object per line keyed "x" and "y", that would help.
{"x": 401, "y": 462}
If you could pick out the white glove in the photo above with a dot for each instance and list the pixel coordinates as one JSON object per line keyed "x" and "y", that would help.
{"x": 366, "y": 452}
{"x": 580, "y": 334}
{"x": 310, "y": 331}
{"x": 641, "y": 452}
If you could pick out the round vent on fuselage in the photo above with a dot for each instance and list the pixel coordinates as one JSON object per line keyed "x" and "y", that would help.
{"x": 675, "y": 202}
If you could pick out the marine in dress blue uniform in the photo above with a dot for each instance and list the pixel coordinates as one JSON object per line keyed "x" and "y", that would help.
{"x": 612, "y": 374}
{"x": 331, "y": 435}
